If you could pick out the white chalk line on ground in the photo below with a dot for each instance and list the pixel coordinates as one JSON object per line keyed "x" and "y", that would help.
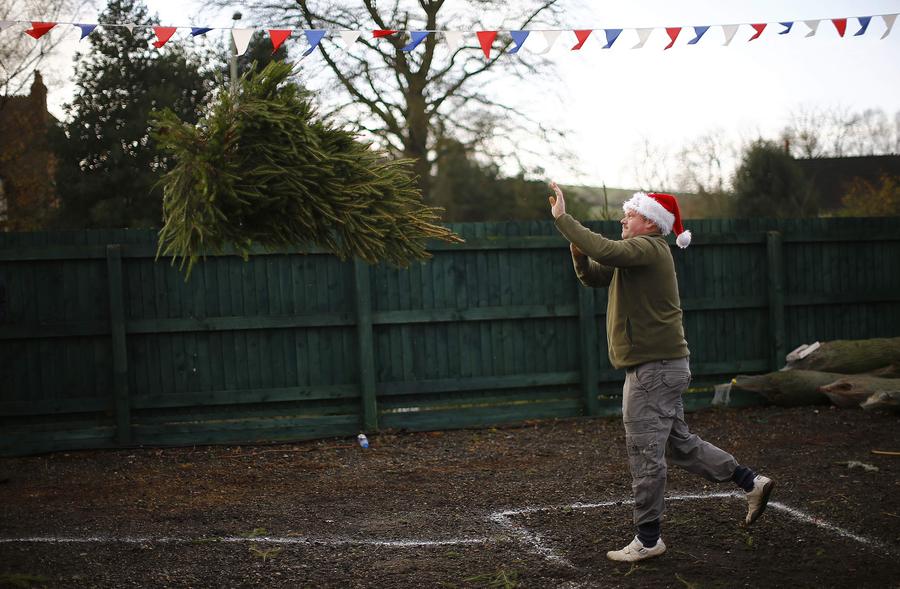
{"x": 502, "y": 518}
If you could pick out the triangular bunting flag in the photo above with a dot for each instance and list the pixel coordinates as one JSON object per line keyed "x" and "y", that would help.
{"x": 611, "y": 36}
{"x": 86, "y": 30}
{"x": 197, "y": 31}
{"x": 241, "y": 39}
{"x": 673, "y": 34}
{"x": 889, "y": 23}
{"x": 314, "y": 37}
{"x": 787, "y": 27}
{"x": 163, "y": 34}
{"x": 759, "y": 28}
{"x": 643, "y": 35}
{"x": 863, "y": 25}
{"x": 729, "y": 31}
{"x": 486, "y": 38}
{"x": 550, "y": 38}
{"x": 699, "y": 32}
{"x": 378, "y": 34}
{"x": 582, "y": 37}
{"x": 840, "y": 24}
{"x": 39, "y": 29}
{"x": 813, "y": 27}
{"x": 518, "y": 38}
{"x": 130, "y": 26}
{"x": 350, "y": 37}
{"x": 278, "y": 37}
{"x": 453, "y": 39}
{"x": 416, "y": 37}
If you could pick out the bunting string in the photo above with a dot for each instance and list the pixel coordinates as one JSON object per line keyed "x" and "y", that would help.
{"x": 486, "y": 39}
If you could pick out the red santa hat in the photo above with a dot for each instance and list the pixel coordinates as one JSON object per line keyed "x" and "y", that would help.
{"x": 661, "y": 209}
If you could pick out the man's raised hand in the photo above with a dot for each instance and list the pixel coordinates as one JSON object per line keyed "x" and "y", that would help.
{"x": 557, "y": 201}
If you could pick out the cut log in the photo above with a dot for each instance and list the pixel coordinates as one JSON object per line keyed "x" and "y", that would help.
{"x": 850, "y": 356}
{"x": 883, "y": 400}
{"x": 788, "y": 388}
{"x": 850, "y": 391}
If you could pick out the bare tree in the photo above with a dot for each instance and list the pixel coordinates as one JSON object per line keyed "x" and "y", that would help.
{"x": 706, "y": 163}
{"x": 409, "y": 100}
{"x": 652, "y": 165}
{"x": 836, "y": 131}
{"x": 20, "y": 55}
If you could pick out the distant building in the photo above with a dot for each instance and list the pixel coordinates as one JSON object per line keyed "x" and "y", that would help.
{"x": 832, "y": 176}
{"x": 27, "y": 166}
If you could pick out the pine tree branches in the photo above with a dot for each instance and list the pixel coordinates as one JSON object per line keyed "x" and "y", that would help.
{"x": 262, "y": 169}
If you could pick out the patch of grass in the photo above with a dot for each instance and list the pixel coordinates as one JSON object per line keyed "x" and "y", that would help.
{"x": 255, "y": 533}
{"x": 21, "y": 579}
{"x": 502, "y": 579}
{"x": 266, "y": 553}
{"x": 687, "y": 584}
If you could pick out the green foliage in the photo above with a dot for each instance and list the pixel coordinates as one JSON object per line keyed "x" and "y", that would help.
{"x": 872, "y": 199}
{"x": 258, "y": 55}
{"x": 262, "y": 169}
{"x": 769, "y": 183}
{"x": 470, "y": 191}
{"x": 107, "y": 163}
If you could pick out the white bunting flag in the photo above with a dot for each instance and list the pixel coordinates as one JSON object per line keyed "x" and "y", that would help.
{"x": 889, "y": 23}
{"x": 350, "y": 37}
{"x": 241, "y": 39}
{"x": 130, "y": 27}
{"x": 453, "y": 39}
{"x": 729, "y": 31}
{"x": 550, "y": 38}
{"x": 643, "y": 35}
{"x": 813, "y": 27}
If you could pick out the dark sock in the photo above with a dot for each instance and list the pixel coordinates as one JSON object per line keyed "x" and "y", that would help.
{"x": 648, "y": 533}
{"x": 743, "y": 477}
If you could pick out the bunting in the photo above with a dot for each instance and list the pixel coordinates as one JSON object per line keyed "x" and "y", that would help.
{"x": 513, "y": 39}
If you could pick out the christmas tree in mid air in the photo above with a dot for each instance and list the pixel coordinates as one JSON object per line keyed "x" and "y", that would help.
{"x": 262, "y": 169}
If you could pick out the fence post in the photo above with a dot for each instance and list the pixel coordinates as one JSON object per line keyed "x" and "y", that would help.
{"x": 775, "y": 251}
{"x": 118, "y": 343}
{"x": 587, "y": 326}
{"x": 363, "y": 291}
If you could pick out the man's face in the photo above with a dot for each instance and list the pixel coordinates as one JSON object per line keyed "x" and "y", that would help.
{"x": 634, "y": 224}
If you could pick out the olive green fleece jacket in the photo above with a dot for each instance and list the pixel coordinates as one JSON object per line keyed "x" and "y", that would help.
{"x": 643, "y": 316}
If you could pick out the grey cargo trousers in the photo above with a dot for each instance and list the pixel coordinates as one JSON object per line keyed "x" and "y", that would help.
{"x": 653, "y": 414}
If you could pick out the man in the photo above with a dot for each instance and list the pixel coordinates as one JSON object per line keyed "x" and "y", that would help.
{"x": 646, "y": 338}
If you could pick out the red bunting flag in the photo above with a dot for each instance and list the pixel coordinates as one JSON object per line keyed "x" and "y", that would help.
{"x": 486, "y": 38}
{"x": 673, "y": 34}
{"x": 840, "y": 24}
{"x": 582, "y": 38}
{"x": 278, "y": 36}
{"x": 39, "y": 29}
{"x": 163, "y": 34}
{"x": 383, "y": 33}
{"x": 759, "y": 30}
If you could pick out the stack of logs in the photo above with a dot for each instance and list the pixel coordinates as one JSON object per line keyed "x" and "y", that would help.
{"x": 849, "y": 373}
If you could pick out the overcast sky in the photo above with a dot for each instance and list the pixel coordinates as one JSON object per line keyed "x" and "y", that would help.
{"x": 613, "y": 99}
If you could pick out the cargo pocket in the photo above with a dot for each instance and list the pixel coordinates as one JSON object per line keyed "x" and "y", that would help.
{"x": 644, "y": 454}
{"x": 676, "y": 380}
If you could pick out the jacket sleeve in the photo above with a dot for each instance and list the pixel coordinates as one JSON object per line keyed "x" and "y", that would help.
{"x": 608, "y": 252}
{"x": 591, "y": 273}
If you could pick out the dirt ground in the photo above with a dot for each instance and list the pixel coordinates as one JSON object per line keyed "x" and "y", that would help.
{"x": 531, "y": 506}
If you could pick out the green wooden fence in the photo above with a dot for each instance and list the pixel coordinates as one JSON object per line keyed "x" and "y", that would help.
{"x": 102, "y": 346}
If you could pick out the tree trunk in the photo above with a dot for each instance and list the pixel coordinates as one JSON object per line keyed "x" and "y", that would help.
{"x": 883, "y": 400}
{"x": 416, "y": 143}
{"x": 788, "y": 388}
{"x": 850, "y": 391}
{"x": 852, "y": 356}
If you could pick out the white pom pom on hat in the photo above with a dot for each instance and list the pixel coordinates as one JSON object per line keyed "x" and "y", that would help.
{"x": 663, "y": 210}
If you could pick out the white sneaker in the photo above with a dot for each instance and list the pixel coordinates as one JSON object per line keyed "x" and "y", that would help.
{"x": 758, "y": 498}
{"x": 636, "y": 551}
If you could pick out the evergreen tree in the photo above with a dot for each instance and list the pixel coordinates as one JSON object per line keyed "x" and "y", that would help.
{"x": 769, "y": 183}
{"x": 261, "y": 168}
{"x": 108, "y": 166}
